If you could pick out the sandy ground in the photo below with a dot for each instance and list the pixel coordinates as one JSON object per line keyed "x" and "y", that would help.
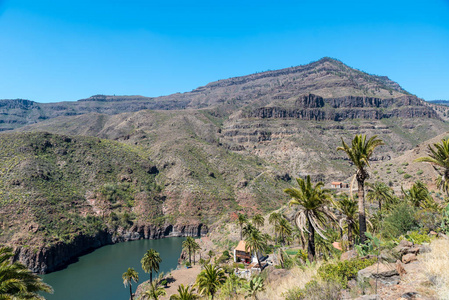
{"x": 182, "y": 276}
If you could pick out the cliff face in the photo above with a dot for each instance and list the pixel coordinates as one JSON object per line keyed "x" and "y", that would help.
{"x": 48, "y": 259}
{"x": 312, "y": 107}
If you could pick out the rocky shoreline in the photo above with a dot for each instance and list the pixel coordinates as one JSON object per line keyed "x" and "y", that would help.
{"x": 48, "y": 259}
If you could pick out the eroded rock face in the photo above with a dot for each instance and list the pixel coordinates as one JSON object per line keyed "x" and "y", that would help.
{"x": 49, "y": 259}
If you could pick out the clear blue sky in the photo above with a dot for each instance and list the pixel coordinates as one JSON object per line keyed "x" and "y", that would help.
{"x": 68, "y": 50}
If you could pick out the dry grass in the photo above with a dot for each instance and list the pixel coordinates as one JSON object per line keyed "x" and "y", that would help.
{"x": 296, "y": 278}
{"x": 436, "y": 266}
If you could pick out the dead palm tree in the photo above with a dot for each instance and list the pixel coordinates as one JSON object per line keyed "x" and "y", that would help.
{"x": 312, "y": 213}
{"x": 439, "y": 158}
{"x": 359, "y": 154}
{"x": 128, "y": 276}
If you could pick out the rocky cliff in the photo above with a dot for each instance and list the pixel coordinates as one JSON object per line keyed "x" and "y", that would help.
{"x": 313, "y": 107}
{"x": 47, "y": 259}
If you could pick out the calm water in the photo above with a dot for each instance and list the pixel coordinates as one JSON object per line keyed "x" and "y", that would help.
{"x": 98, "y": 275}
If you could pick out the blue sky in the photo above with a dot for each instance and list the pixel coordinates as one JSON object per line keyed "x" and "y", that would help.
{"x": 67, "y": 50}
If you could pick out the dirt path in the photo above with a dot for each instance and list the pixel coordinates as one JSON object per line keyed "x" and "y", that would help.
{"x": 182, "y": 276}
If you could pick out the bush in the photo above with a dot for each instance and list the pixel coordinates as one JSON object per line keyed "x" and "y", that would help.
{"x": 407, "y": 176}
{"x": 314, "y": 290}
{"x": 419, "y": 172}
{"x": 400, "y": 220}
{"x": 342, "y": 271}
{"x": 417, "y": 238}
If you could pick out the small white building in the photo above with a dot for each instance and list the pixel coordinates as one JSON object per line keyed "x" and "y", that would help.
{"x": 241, "y": 255}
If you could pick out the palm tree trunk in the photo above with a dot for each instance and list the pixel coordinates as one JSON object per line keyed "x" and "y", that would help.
{"x": 151, "y": 277}
{"x": 130, "y": 291}
{"x": 311, "y": 242}
{"x": 350, "y": 234}
{"x": 190, "y": 256}
{"x": 362, "y": 217}
{"x": 241, "y": 232}
{"x": 194, "y": 254}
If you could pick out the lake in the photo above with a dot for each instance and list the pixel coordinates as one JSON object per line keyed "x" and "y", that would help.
{"x": 98, "y": 275}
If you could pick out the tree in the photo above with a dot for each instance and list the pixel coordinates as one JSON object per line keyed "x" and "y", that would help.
{"x": 274, "y": 219}
{"x": 256, "y": 243}
{"x": 128, "y": 276}
{"x": 313, "y": 212}
{"x": 247, "y": 229}
{"x": 150, "y": 262}
{"x": 348, "y": 209}
{"x": 242, "y": 219}
{"x": 439, "y": 158}
{"x": 154, "y": 292}
{"x": 190, "y": 245}
{"x": 381, "y": 193}
{"x": 254, "y": 286}
{"x": 184, "y": 293}
{"x": 209, "y": 280}
{"x": 258, "y": 220}
{"x": 284, "y": 230}
{"x": 418, "y": 195}
{"x": 195, "y": 247}
{"x": 359, "y": 154}
{"x": 16, "y": 281}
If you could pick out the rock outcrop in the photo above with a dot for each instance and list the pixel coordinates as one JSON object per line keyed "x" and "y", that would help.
{"x": 48, "y": 259}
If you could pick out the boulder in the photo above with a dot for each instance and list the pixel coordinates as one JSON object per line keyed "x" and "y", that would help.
{"x": 383, "y": 271}
{"x": 409, "y": 258}
{"x": 400, "y": 268}
{"x": 403, "y": 247}
{"x": 348, "y": 255}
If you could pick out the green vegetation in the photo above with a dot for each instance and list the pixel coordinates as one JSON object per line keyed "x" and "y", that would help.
{"x": 342, "y": 271}
{"x": 16, "y": 281}
{"x": 150, "y": 262}
{"x": 128, "y": 276}
{"x": 359, "y": 154}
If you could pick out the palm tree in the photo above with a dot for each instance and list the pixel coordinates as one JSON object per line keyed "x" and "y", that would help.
{"x": 418, "y": 194}
{"x": 439, "y": 158}
{"x": 380, "y": 192}
{"x": 359, "y": 154}
{"x": 256, "y": 243}
{"x": 258, "y": 220}
{"x": 209, "y": 280}
{"x": 154, "y": 292}
{"x": 312, "y": 212}
{"x": 274, "y": 219}
{"x": 128, "y": 276}
{"x": 254, "y": 286}
{"x": 247, "y": 229}
{"x": 150, "y": 262}
{"x": 189, "y": 245}
{"x": 184, "y": 293}
{"x": 195, "y": 247}
{"x": 284, "y": 229}
{"x": 242, "y": 219}
{"x": 348, "y": 209}
{"x": 16, "y": 281}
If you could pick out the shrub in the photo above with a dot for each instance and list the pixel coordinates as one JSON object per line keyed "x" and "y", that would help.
{"x": 400, "y": 220}
{"x": 343, "y": 271}
{"x": 419, "y": 172}
{"x": 315, "y": 290}
{"x": 417, "y": 238}
{"x": 407, "y": 176}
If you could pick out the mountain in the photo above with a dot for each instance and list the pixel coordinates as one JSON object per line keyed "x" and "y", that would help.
{"x": 78, "y": 175}
{"x": 328, "y": 78}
